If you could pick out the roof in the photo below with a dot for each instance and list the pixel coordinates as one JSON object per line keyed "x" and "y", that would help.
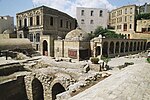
{"x": 11, "y": 44}
{"x": 77, "y": 35}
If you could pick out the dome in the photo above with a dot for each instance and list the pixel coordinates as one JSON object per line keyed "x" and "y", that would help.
{"x": 77, "y": 35}
{"x": 8, "y": 31}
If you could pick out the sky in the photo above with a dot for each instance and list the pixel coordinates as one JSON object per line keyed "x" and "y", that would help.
{"x": 11, "y": 7}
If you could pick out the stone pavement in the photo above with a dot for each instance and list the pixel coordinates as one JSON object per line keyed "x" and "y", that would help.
{"x": 132, "y": 83}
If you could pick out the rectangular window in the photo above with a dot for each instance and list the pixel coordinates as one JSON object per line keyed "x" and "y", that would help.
{"x": 130, "y": 18}
{"x": 61, "y": 23}
{"x": 25, "y": 22}
{"x": 82, "y": 21}
{"x": 70, "y": 26}
{"x": 130, "y": 26}
{"x": 37, "y": 20}
{"x": 82, "y": 12}
{"x": 125, "y": 18}
{"x": 66, "y": 24}
{"x": 51, "y": 21}
{"x": 91, "y": 22}
{"x": 126, "y": 11}
{"x": 92, "y": 13}
{"x": 31, "y": 21}
{"x": 20, "y": 23}
{"x": 131, "y": 11}
{"x": 101, "y": 13}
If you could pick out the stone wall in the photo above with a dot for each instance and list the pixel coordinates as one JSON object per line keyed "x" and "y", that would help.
{"x": 13, "y": 90}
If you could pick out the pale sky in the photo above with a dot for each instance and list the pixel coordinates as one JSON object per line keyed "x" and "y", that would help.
{"x": 11, "y": 7}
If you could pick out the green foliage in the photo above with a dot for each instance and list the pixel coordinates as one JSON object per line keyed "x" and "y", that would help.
{"x": 105, "y": 59}
{"x": 143, "y": 16}
{"x": 148, "y": 60}
{"x": 105, "y": 32}
{"x": 94, "y": 60}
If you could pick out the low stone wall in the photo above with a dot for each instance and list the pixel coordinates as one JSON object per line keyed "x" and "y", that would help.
{"x": 13, "y": 90}
{"x": 8, "y": 69}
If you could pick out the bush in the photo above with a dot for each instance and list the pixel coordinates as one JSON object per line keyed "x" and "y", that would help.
{"x": 148, "y": 60}
{"x": 94, "y": 60}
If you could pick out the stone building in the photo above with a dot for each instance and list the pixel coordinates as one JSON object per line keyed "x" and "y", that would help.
{"x": 42, "y": 25}
{"x": 76, "y": 45}
{"x": 6, "y": 24}
{"x": 90, "y": 18}
{"x": 144, "y": 8}
{"x": 123, "y": 19}
{"x": 143, "y": 25}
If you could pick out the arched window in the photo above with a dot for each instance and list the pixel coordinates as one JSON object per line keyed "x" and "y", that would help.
{"x": 37, "y": 20}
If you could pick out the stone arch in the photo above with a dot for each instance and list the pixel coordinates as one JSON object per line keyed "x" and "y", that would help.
{"x": 122, "y": 47}
{"x": 98, "y": 50}
{"x": 134, "y": 49}
{"x": 127, "y": 47}
{"x": 141, "y": 47}
{"x": 144, "y": 45}
{"x": 111, "y": 48}
{"x": 131, "y": 46}
{"x": 105, "y": 49}
{"x": 138, "y": 46}
{"x": 37, "y": 90}
{"x": 57, "y": 89}
{"x": 117, "y": 47}
{"x": 148, "y": 45}
{"x": 45, "y": 48}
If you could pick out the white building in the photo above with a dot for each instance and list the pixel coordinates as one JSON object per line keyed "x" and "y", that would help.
{"x": 90, "y": 18}
{"x": 6, "y": 24}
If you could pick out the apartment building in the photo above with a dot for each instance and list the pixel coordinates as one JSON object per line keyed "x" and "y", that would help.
{"x": 123, "y": 19}
{"x": 90, "y": 18}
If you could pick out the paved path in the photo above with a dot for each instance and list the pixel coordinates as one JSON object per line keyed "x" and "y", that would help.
{"x": 132, "y": 83}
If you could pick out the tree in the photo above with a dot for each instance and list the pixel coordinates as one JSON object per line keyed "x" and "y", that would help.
{"x": 105, "y": 32}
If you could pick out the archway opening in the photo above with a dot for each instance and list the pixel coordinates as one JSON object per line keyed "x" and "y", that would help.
{"x": 57, "y": 89}
{"x": 45, "y": 48}
{"x": 98, "y": 50}
{"x": 127, "y": 47}
{"x": 105, "y": 49}
{"x": 117, "y": 48}
{"x": 111, "y": 49}
{"x": 138, "y": 46}
{"x": 134, "y": 46}
{"x": 141, "y": 46}
{"x": 37, "y": 90}
{"x": 122, "y": 47}
{"x": 148, "y": 45}
{"x": 131, "y": 46}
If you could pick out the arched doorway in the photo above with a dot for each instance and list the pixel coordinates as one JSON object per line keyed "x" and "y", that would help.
{"x": 37, "y": 90}
{"x": 105, "y": 49}
{"x": 134, "y": 46}
{"x": 141, "y": 48}
{"x": 111, "y": 48}
{"x": 57, "y": 89}
{"x": 122, "y": 47}
{"x": 117, "y": 48}
{"x": 148, "y": 45}
{"x": 127, "y": 47}
{"x": 45, "y": 48}
{"x": 131, "y": 46}
{"x": 98, "y": 50}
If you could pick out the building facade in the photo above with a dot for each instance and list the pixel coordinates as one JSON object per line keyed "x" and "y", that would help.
{"x": 6, "y": 24}
{"x": 144, "y": 8}
{"x": 143, "y": 26}
{"x": 123, "y": 19}
{"x": 42, "y": 25}
{"x": 90, "y": 18}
